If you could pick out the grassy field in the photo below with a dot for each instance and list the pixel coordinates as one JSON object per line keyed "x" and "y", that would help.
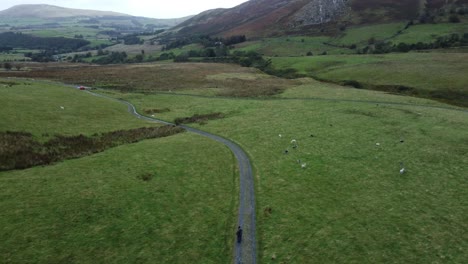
{"x": 358, "y": 35}
{"x": 11, "y": 57}
{"x": 428, "y": 33}
{"x": 350, "y": 204}
{"x": 169, "y": 200}
{"x": 296, "y": 46}
{"x": 36, "y": 108}
{"x": 361, "y": 34}
{"x": 433, "y": 75}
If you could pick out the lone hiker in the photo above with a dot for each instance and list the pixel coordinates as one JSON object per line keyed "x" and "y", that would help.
{"x": 239, "y": 234}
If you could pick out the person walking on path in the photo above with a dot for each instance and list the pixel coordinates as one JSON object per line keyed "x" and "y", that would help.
{"x": 239, "y": 234}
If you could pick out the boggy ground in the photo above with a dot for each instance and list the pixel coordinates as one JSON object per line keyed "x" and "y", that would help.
{"x": 222, "y": 79}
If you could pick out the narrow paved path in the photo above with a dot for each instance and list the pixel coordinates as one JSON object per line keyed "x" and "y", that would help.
{"x": 246, "y": 251}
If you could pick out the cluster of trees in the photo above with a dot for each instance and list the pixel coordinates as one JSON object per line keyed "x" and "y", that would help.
{"x": 113, "y": 58}
{"x": 432, "y": 15}
{"x": 16, "y": 40}
{"x": 132, "y": 40}
{"x": 43, "y": 56}
{"x": 9, "y": 66}
{"x": 6, "y": 49}
{"x": 204, "y": 40}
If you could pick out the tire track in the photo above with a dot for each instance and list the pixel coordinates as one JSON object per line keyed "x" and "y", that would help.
{"x": 246, "y": 251}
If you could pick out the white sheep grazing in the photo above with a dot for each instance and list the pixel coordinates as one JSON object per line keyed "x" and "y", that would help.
{"x": 63, "y": 108}
{"x": 280, "y": 135}
{"x": 303, "y": 165}
{"x": 293, "y": 142}
{"x": 402, "y": 170}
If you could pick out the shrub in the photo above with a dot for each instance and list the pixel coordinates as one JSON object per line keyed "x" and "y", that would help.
{"x": 145, "y": 177}
{"x": 181, "y": 58}
{"x": 454, "y": 19}
{"x": 352, "y": 83}
{"x": 200, "y": 119}
{"x": 19, "y": 150}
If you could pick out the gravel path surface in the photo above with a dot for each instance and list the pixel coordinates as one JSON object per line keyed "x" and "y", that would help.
{"x": 246, "y": 251}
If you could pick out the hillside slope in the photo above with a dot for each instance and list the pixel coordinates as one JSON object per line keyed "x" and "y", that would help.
{"x": 260, "y": 18}
{"x": 50, "y": 11}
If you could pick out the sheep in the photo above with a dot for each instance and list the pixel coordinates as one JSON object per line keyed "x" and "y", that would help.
{"x": 280, "y": 135}
{"x": 402, "y": 170}
{"x": 294, "y": 143}
{"x": 303, "y": 165}
{"x": 61, "y": 107}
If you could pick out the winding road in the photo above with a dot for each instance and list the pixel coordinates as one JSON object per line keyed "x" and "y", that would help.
{"x": 246, "y": 251}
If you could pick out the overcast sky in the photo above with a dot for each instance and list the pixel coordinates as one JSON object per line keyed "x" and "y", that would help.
{"x": 147, "y": 8}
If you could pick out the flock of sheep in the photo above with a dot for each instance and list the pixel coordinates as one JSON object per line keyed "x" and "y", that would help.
{"x": 293, "y": 144}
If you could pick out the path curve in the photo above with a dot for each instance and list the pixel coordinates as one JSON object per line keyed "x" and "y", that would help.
{"x": 246, "y": 251}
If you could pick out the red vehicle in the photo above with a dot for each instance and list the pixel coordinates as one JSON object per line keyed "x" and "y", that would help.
{"x": 82, "y": 88}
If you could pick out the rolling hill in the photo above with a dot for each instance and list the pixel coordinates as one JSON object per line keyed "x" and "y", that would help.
{"x": 24, "y": 17}
{"x": 260, "y": 18}
{"x": 50, "y": 11}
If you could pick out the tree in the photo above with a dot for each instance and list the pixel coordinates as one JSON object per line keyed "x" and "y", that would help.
{"x": 7, "y": 66}
{"x": 181, "y": 58}
{"x": 403, "y": 47}
{"x": 454, "y": 19}
{"x": 139, "y": 58}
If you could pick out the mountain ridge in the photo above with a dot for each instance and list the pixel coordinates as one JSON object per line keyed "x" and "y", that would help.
{"x": 52, "y": 11}
{"x": 262, "y": 18}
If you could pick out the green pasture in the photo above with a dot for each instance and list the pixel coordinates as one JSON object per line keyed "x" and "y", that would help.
{"x": 428, "y": 33}
{"x": 101, "y": 209}
{"x": 35, "y": 107}
{"x": 67, "y": 32}
{"x": 170, "y": 200}
{"x": 11, "y": 57}
{"x": 361, "y": 34}
{"x": 293, "y": 46}
{"x": 17, "y": 22}
{"x": 350, "y": 204}
{"x": 430, "y": 74}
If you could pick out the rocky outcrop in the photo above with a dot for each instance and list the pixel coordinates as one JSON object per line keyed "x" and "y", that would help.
{"x": 318, "y": 12}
